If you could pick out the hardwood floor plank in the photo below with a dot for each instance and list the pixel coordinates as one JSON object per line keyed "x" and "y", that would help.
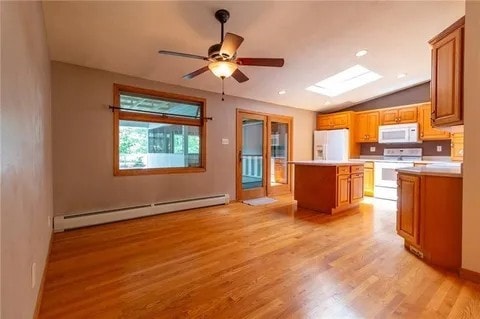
{"x": 239, "y": 261}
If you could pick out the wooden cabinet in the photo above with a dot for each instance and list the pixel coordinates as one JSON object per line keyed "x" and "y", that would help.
{"x": 457, "y": 147}
{"x": 400, "y": 115}
{"x": 328, "y": 188}
{"x": 447, "y": 75}
{"x": 429, "y": 217}
{"x": 408, "y": 208}
{"x": 427, "y": 132}
{"x": 356, "y": 187}
{"x": 366, "y": 128}
{"x": 368, "y": 176}
{"x": 343, "y": 190}
{"x": 334, "y": 121}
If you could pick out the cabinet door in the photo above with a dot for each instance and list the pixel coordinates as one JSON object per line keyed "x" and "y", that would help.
{"x": 356, "y": 190}
{"x": 361, "y": 127}
{"x": 389, "y": 117}
{"x": 407, "y": 115}
{"x": 427, "y": 132}
{"x": 447, "y": 79}
{"x": 373, "y": 119}
{"x": 457, "y": 147}
{"x": 368, "y": 181}
{"x": 340, "y": 121}
{"x": 324, "y": 122}
{"x": 343, "y": 190}
{"x": 408, "y": 208}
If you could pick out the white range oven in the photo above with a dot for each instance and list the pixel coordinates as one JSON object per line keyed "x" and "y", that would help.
{"x": 385, "y": 170}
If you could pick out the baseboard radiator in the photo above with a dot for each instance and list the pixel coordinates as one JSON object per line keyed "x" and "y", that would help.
{"x": 64, "y": 222}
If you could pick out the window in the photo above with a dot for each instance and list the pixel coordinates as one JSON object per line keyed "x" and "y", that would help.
{"x": 157, "y": 132}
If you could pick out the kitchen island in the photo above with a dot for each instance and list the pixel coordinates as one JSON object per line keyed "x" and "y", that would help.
{"x": 429, "y": 214}
{"x": 328, "y": 186}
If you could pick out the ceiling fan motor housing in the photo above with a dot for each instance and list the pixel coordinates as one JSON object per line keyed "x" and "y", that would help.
{"x": 214, "y": 53}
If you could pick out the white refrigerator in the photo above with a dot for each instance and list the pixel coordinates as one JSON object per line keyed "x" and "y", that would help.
{"x": 331, "y": 145}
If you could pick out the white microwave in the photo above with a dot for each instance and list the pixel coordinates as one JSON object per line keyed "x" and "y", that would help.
{"x": 398, "y": 133}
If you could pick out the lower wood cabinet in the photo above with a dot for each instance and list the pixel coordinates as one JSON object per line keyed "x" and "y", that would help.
{"x": 429, "y": 217}
{"x": 369, "y": 179}
{"x": 328, "y": 188}
{"x": 408, "y": 208}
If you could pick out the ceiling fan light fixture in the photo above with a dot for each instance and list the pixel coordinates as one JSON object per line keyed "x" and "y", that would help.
{"x": 222, "y": 69}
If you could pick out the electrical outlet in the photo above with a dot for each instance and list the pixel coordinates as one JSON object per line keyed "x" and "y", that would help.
{"x": 439, "y": 148}
{"x": 34, "y": 274}
{"x": 225, "y": 141}
{"x": 372, "y": 149}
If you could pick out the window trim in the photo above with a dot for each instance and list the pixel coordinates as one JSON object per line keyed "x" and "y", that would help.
{"x": 144, "y": 117}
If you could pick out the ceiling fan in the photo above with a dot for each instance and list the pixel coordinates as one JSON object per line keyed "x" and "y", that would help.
{"x": 223, "y": 56}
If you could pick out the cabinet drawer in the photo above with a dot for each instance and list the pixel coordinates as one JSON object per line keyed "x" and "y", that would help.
{"x": 357, "y": 169}
{"x": 343, "y": 169}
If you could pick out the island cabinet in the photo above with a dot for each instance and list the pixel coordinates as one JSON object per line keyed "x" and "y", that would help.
{"x": 329, "y": 188}
{"x": 366, "y": 128}
{"x": 446, "y": 86}
{"x": 427, "y": 132}
{"x": 429, "y": 217}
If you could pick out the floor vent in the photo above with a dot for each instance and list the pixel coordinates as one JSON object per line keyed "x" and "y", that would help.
{"x": 65, "y": 222}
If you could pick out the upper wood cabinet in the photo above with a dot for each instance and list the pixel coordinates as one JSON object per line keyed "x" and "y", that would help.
{"x": 334, "y": 121}
{"x": 398, "y": 115}
{"x": 457, "y": 147}
{"x": 366, "y": 126}
{"x": 447, "y": 75}
{"x": 427, "y": 132}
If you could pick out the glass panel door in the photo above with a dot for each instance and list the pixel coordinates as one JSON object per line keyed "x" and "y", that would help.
{"x": 251, "y": 149}
{"x": 279, "y": 129}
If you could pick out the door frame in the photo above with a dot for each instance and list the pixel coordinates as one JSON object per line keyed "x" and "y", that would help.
{"x": 267, "y": 189}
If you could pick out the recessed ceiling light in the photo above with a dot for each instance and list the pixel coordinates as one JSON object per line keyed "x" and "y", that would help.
{"x": 401, "y": 75}
{"x": 282, "y": 92}
{"x": 345, "y": 81}
{"x": 361, "y": 53}
{"x": 327, "y": 103}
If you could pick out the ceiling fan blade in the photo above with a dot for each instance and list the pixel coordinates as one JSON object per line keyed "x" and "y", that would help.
{"x": 183, "y": 55}
{"x": 230, "y": 44}
{"x": 261, "y": 62}
{"x": 195, "y": 73}
{"x": 239, "y": 76}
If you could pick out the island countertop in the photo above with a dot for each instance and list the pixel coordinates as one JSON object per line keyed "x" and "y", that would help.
{"x": 325, "y": 163}
{"x": 432, "y": 171}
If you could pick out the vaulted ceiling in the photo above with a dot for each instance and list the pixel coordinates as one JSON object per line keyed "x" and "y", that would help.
{"x": 316, "y": 38}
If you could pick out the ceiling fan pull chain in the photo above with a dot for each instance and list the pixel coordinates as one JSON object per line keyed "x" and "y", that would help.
{"x": 223, "y": 88}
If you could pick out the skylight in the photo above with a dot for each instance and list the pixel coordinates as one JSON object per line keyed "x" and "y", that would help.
{"x": 345, "y": 81}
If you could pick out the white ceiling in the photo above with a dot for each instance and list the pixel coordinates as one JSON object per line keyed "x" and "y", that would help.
{"x": 317, "y": 40}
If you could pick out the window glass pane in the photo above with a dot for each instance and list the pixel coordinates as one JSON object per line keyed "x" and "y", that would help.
{"x": 142, "y": 103}
{"x": 145, "y": 145}
{"x": 279, "y": 154}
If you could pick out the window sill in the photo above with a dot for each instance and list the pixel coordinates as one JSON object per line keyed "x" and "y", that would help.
{"x": 159, "y": 171}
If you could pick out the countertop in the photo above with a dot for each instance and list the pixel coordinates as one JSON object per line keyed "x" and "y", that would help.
{"x": 432, "y": 171}
{"x": 325, "y": 163}
{"x": 430, "y": 160}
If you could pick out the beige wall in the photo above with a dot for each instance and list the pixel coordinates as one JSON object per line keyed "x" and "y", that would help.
{"x": 83, "y": 143}
{"x": 26, "y": 193}
{"x": 471, "y": 179}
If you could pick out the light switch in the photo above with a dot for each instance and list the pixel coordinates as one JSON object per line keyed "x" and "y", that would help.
{"x": 225, "y": 141}
{"x": 372, "y": 149}
{"x": 439, "y": 148}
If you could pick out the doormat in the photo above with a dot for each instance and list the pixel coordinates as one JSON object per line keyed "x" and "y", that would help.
{"x": 259, "y": 201}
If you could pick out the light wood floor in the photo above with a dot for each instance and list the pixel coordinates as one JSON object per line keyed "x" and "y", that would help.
{"x": 239, "y": 261}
